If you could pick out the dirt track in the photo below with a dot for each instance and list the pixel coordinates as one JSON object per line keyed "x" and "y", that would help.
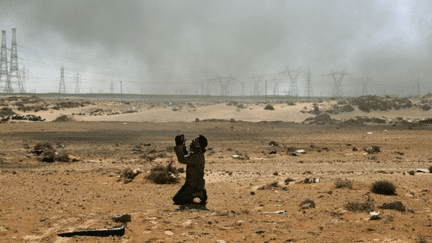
{"x": 40, "y": 201}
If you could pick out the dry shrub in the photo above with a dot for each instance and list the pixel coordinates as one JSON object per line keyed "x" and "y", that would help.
{"x": 62, "y": 157}
{"x": 430, "y": 169}
{"x": 383, "y": 187}
{"x": 129, "y": 174}
{"x": 343, "y": 184}
{"x": 272, "y": 185}
{"x": 64, "y": 118}
{"x": 366, "y": 206}
{"x": 48, "y": 156}
{"x": 164, "y": 174}
{"x": 269, "y": 107}
{"x": 39, "y": 148}
{"x": 288, "y": 180}
{"x": 308, "y": 201}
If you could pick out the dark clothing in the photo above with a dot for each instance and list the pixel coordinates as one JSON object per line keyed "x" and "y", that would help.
{"x": 185, "y": 195}
{"x": 194, "y": 166}
{"x": 195, "y": 183}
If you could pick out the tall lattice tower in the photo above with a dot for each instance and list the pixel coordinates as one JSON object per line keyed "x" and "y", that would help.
{"x": 293, "y": 76}
{"x": 112, "y": 87}
{"x": 4, "y": 71}
{"x": 256, "y": 81}
{"x": 77, "y": 81}
{"x": 308, "y": 90}
{"x": 365, "y": 82}
{"x": 337, "y": 79}
{"x": 14, "y": 74}
{"x": 62, "y": 86}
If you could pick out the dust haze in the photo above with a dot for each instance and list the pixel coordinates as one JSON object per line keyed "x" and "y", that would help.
{"x": 388, "y": 41}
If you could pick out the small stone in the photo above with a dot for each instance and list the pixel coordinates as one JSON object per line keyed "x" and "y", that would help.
{"x": 121, "y": 218}
{"x": 167, "y": 232}
{"x": 252, "y": 193}
{"x": 220, "y": 241}
{"x": 275, "y": 173}
{"x": 187, "y": 223}
{"x": 240, "y": 222}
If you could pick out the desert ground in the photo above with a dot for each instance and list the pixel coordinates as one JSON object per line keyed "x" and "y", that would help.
{"x": 261, "y": 166}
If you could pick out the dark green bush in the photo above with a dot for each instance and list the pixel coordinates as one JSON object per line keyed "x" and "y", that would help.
{"x": 383, "y": 187}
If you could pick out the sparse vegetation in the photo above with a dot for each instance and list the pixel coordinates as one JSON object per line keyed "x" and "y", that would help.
{"x": 161, "y": 174}
{"x": 64, "y": 118}
{"x": 383, "y": 187}
{"x": 430, "y": 169}
{"x": 366, "y": 206}
{"x": 308, "y": 201}
{"x": 268, "y": 186}
{"x": 269, "y": 107}
{"x": 344, "y": 184}
{"x": 39, "y": 148}
{"x": 288, "y": 180}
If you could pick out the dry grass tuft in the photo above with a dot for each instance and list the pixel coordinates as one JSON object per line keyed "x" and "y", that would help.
{"x": 164, "y": 174}
{"x": 344, "y": 184}
{"x": 366, "y": 206}
{"x": 383, "y": 187}
{"x": 64, "y": 118}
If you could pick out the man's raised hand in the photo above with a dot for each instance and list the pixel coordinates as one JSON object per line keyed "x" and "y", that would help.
{"x": 179, "y": 139}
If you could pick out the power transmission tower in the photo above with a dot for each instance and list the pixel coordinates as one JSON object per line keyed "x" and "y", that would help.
{"x": 224, "y": 82}
{"x": 256, "y": 81}
{"x": 14, "y": 74}
{"x": 62, "y": 86}
{"x": 308, "y": 90}
{"x": 4, "y": 71}
{"x": 77, "y": 81}
{"x": 293, "y": 76}
{"x": 365, "y": 82}
{"x": 276, "y": 86}
{"x": 418, "y": 87}
{"x": 337, "y": 78}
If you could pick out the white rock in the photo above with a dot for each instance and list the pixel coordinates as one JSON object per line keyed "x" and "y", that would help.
{"x": 167, "y": 232}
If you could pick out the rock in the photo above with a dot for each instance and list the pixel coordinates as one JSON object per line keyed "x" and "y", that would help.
{"x": 396, "y": 205}
{"x": 187, "y": 224}
{"x": 121, "y": 218}
{"x": 252, "y": 193}
{"x": 240, "y": 222}
{"x": 273, "y": 143}
{"x": 275, "y": 173}
{"x": 284, "y": 188}
{"x": 220, "y": 241}
{"x": 411, "y": 172}
{"x": 167, "y": 232}
{"x": 423, "y": 170}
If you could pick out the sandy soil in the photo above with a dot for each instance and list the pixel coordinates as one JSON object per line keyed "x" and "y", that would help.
{"x": 40, "y": 199}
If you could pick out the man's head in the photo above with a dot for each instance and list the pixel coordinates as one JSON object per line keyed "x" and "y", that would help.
{"x": 199, "y": 142}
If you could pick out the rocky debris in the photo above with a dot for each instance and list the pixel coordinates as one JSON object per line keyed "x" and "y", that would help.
{"x": 70, "y": 104}
{"x": 269, "y": 107}
{"x": 42, "y": 147}
{"x": 372, "y": 150}
{"x": 288, "y": 180}
{"x": 336, "y": 109}
{"x": 27, "y": 117}
{"x": 4, "y": 119}
{"x": 396, "y": 205}
{"x": 277, "y": 212}
{"x": 128, "y": 175}
{"x": 284, "y": 188}
{"x": 425, "y": 121}
{"x": 270, "y": 186}
{"x": 64, "y": 118}
{"x": 121, "y": 218}
{"x": 273, "y": 143}
{"x": 5, "y": 111}
{"x": 311, "y": 180}
{"x": 375, "y": 103}
{"x": 323, "y": 119}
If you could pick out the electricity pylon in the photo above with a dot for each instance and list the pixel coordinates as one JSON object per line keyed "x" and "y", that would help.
{"x": 14, "y": 74}
{"x": 256, "y": 81}
{"x": 365, "y": 82}
{"x": 4, "y": 71}
{"x": 62, "y": 86}
{"x": 224, "y": 82}
{"x": 77, "y": 81}
{"x": 276, "y": 86}
{"x": 337, "y": 79}
{"x": 293, "y": 76}
{"x": 308, "y": 90}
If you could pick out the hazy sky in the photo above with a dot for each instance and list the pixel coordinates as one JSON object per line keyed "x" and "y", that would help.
{"x": 165, "y": 46}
